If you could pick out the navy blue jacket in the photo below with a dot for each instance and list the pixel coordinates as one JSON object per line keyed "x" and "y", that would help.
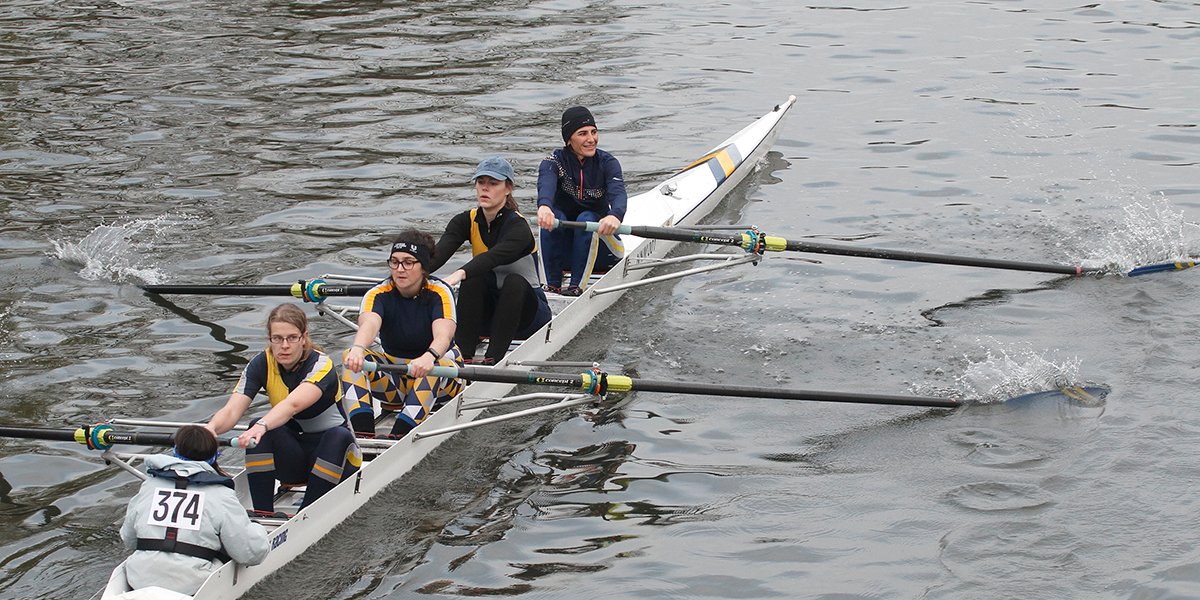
{"x": 572, "y": 187}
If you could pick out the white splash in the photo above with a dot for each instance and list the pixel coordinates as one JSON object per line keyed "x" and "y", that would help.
{"x": 1004, "y": 373}
{"x": 1151, "y": 232}
{"x": 120, "y": 251}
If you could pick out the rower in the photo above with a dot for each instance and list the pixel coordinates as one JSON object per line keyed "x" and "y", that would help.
{"x": 499, "y": 291}
{"x": 186, "y": 519}
{"x": 579, "y": 182}
{"x": 305, "y": 437}
{"x": 414, "y": 316}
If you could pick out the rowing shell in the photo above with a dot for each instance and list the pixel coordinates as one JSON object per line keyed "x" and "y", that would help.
{"x": 682, "y": 200}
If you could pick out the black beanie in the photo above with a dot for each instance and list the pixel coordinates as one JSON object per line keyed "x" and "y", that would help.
{"x": 573, "y": 118}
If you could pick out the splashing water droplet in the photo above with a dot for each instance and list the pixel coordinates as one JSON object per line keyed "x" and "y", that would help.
{"x": 1151, "y": 232}
{"x": 121, "y": 251}
{"x": 1005, "y": 373}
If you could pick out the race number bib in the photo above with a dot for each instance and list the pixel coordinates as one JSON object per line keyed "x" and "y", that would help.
{"x": 176, "y": 508}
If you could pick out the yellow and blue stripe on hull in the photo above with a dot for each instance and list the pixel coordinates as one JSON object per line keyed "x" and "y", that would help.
{"x": 722, "y": 162}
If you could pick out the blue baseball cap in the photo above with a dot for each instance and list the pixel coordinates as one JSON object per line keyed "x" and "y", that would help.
{"x": 495, "y": 167}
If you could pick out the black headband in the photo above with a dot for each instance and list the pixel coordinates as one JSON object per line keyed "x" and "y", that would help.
{"x": 416, "y": 250}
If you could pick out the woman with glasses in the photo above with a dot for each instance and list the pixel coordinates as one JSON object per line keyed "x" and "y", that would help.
{"x": 499, "y": 292}
{"x": 304, "y": 438}
{"x": 414, "y": 317}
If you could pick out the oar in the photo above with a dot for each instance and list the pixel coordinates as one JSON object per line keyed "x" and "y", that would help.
{"x": 314, "y": 290}
{"x": 757, "y": 242}
{"x": 99, "y": 437}
{"x": 601, "y": 383}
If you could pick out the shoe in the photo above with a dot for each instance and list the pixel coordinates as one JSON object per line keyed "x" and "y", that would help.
{"x": 553, "y": 289}
{"x": 483, "y": 362}
{"x": 261, "y": 514}
{"x": 572, "y": 291}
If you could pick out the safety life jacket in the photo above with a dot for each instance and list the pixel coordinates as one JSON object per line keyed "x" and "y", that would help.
{"x": 170, "y": 542}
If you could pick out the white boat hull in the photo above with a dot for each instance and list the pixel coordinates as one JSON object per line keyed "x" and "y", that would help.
{"x": 684, "y": 199}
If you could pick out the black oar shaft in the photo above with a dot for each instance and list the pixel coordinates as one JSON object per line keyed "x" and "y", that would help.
{"x": 926, "y": 257}
{"x": 773, "y": 243}
{"x": 742, "y": 391}
{"x": 620, "y": 383}
{"x": 221, "y": 290}
{"x": 102, "y": 436}
{"x": 37, "y": 433}
{"x": 316, "y": 288}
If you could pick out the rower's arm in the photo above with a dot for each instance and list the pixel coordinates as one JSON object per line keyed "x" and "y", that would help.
{"x": 305, "y": 395}
{"x": 614, "y": 181}
{"x": 229, "y": 415}
{"x": 369, "y": 323}
{"x": 368, "y": 328}
{"x": 458, "y": 230}
{"x": 443, "y": 334}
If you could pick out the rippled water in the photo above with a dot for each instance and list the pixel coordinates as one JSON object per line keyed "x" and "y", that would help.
{"x": 246, "y": 142}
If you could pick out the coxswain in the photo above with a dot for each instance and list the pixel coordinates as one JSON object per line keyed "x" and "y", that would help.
{"x": 186, "y": 519}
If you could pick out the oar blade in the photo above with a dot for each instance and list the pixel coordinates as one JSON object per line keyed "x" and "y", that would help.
{"x": 1162, "y": 267}
{"x": 1090, "y": 396}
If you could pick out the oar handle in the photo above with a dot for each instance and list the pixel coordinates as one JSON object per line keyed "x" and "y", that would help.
{"x": 746, "y": 241}
{"x": 590, "y": 226}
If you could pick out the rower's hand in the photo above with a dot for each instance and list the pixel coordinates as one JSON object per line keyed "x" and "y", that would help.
{"x": 420, "y": 366}
{"x": 455, "y": 278}
{"x": 608, "y": 225}
{"x": 353, "y": 359}
{"x": 545, "y": 217}
{"x": 251, "y": 437}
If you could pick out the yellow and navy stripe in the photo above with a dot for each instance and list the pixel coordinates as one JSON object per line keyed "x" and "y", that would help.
{"x": 722, "y": 162}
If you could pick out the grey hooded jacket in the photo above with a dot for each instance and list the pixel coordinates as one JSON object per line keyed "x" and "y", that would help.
{"x": 222, "y": 525}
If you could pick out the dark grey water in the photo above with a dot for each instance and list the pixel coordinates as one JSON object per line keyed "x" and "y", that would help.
{"x": 246, "y": 142}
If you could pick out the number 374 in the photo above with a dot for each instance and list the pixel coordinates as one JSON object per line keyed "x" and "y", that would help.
{"x": 176, "y": 508}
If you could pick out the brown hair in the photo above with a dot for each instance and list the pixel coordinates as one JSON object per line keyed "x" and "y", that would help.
{"x": 292, "y": 315}
{"x": 195, "y": 442}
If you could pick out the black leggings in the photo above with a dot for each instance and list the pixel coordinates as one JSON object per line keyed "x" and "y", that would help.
{"x": 499, "y": 311}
